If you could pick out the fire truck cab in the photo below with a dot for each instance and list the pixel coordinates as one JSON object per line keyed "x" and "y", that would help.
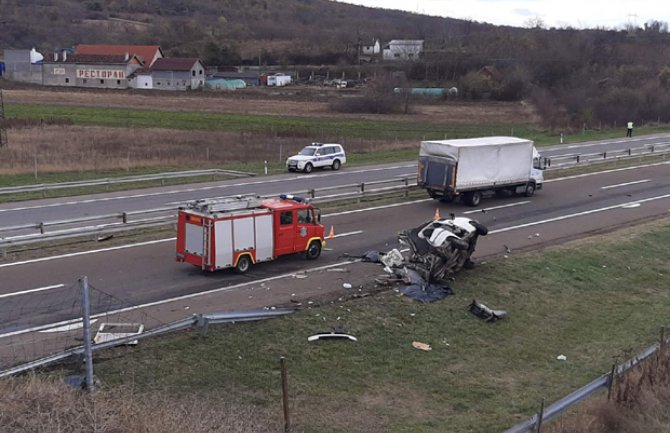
{"x": 237, "y": 232}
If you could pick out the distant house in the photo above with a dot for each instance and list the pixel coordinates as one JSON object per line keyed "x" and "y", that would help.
{"x": 147, "y": 54}
{"x": 278, "y": 80}
{"x": 89, "y": 70}
{"x": 178, "y": 74}
{"x": 371, "y": 50}
{"x": 403, "y": 50}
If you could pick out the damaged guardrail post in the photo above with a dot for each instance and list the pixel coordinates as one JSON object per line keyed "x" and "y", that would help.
{"x": 540, "y": 416}
{"x": 610, "y": 381}
{"x": 202, "y": 324}
{"x": 406, "y": 187}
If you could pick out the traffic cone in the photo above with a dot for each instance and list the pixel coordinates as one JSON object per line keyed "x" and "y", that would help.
{"x": 332, "y": 233}
{"x": 437, "y": 214}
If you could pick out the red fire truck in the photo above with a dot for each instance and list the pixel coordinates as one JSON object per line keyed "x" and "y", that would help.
{"x": 237, "y": 232}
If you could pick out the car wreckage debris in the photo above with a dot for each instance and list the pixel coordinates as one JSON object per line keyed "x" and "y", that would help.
{"x": 441, "y": 248}
{"x": 485, "y": 313}
{"x": 338, "y": 332}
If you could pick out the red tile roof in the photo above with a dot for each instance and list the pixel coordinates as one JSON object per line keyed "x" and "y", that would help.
{"x": 146, "y": 53}
{"x": 174, "y": 64}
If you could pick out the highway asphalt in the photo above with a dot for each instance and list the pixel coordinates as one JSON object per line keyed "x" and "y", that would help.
{"x": 567, "y": 208}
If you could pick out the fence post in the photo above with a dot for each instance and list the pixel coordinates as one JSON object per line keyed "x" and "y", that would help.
{"x": 604, "y": 155}
{"x": 284, "y": 393}
{"x": 406, "y": 187}
{"x": 610, "y": 382}
{"x": 124, "y": 217}
{"x": 540, "y": 416}
{"x": 86, "y": 318}
{"x": 312, "y": 193}
{"x": 41, "y": 228}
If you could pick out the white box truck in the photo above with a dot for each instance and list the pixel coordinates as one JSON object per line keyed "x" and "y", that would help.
{"x": 473, "y": 167}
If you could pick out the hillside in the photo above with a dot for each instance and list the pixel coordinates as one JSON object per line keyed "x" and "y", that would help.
{"x": 183, "y": 27}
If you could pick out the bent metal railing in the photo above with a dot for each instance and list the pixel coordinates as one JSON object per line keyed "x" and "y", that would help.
{"x": 605, "y": 381}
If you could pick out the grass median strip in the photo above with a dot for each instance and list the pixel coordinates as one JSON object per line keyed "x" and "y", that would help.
{"x": 595, "y": 301}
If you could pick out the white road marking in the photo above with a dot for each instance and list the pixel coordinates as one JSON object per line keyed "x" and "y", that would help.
{"x": 578, "y": 214}
{"x": 178, "y": 298}
{"x": 39, "y": 289}
{"x": 625, "y": 184}
{"x": 342, "y": 235}
{"x": 347, "y": 212}
{"x": 79, "y": 324}
{"x": 614, "y": 170}
{"x": 204, "y": 188}
{"x": 82, "y": 253}
{"x": 486, "y": 209}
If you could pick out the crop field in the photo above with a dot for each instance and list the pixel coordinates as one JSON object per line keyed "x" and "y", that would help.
{"x": 597, "y": 301}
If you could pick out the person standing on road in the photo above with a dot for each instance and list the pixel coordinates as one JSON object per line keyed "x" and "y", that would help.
{"x": 629, "y": 133}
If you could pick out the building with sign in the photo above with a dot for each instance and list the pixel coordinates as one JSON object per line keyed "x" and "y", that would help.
{"x": 90, "y": 70}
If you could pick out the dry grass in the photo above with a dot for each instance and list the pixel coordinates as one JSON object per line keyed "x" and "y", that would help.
{"x": 64, "y": 148}
{"x": 639, "y": 405}
{"x": 40, "y": 405}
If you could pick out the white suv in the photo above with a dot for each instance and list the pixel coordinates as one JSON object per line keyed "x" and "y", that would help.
{"x": 318, "y": 155}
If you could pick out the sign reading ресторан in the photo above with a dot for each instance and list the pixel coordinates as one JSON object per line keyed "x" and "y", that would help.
{"x": 105, "y": 74}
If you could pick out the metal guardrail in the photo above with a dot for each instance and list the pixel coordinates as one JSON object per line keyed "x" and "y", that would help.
{"x": 120, "y": 180}
{"x": 201, "y": 322}
{"x": 123, "y": 221}
{"x": 604, "y": 381}
{"x": 572, "y": 159}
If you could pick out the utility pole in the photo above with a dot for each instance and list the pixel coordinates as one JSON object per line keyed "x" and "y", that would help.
{"x": 3, "y": 127}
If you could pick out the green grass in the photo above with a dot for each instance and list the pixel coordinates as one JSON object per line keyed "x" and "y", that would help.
{"x": 294, "y": 125}
{"x": 595, "y": 303}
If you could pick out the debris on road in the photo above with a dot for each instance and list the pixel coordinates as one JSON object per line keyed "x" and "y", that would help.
{"x": 485, "y": 313}
{"x": 347, "y": 285}
{"x": 338, "y": 332}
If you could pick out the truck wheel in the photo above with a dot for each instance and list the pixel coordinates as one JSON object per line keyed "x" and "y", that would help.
{"x": 313, "y": 251}
{"x": 473, "y": 198}
{"x": 530, "y": 190}
{"x": 243, "y": 264}
{"x": 308, "y": 168}
{"x": 482, "y": 230}
{"x": 337, "y": 164}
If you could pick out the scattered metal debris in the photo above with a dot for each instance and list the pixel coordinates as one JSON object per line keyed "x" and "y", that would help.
{"x": 114, "y": 331}
{"x": 485, "y": 313}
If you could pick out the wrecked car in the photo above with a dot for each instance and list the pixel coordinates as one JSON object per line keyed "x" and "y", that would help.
{"x": 440, "y": 248}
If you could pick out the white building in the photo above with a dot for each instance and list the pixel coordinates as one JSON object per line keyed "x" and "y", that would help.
{"x": 403, "y": 49}
{"x": 371, "y": 50}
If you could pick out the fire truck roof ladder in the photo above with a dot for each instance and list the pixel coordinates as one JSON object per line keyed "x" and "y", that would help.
{"x": 226, "y": 204}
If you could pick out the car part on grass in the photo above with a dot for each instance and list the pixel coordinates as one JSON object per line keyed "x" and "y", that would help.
{"x": 114, "y": 331}
{"x": 421, "y": 346}
{"x": 439, "y": 249}
{"x": 331, "y": 335}
{"x": 485, "y": 313}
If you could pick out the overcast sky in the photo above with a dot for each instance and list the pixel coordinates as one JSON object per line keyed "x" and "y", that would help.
{"x": 553, "y": 13}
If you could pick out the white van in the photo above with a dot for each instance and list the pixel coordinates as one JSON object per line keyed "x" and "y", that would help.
{"x": 318, "y": 155}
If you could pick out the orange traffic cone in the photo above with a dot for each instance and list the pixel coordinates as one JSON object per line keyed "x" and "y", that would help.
{"x": 437, "y": 214}
{"x": 332, "y": 233}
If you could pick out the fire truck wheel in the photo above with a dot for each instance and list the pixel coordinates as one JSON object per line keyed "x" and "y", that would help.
{"x": 243, "y": 264}
{"x": 308, "y": 168}
{"x": 313, "y": 251}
